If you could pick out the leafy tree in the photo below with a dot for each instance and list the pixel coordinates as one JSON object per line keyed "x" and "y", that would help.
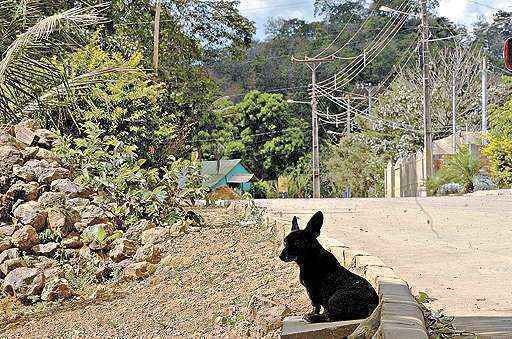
{"x": 499, "y": 149}
{"x": 271, "y": 136}
{"x": 354, "y": 163}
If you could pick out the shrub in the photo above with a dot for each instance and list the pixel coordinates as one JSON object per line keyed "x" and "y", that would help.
{"x": 263, "y": 190}
{"x": 460, "y": 168}
{"x": 483, "y": 182}
{"x": 130, "y": 191}
{"x": 450, "y": 188}
{"x": 499, "y": 153}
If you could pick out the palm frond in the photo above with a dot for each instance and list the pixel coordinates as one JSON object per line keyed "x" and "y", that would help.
{"x": 81, "y": 82}
{"x": 24, "y": 73}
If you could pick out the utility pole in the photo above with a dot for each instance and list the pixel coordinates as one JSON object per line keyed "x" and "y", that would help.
{"x": 313, "y": 64}
{"x": 454, "y": 110}
{"x": 349, "y": 118}
{"x": 427, "y": 118}
{"x": 156, "y": 35}
{"x": 484, "y": 96}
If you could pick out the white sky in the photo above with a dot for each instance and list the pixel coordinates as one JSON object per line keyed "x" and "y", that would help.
{"x": 460, "y": 11}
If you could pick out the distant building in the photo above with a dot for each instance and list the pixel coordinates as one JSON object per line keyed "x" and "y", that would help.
{"x": 231, "y": 173}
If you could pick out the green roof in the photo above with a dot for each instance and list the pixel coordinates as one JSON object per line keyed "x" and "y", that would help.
{"x": 209, "y": 170}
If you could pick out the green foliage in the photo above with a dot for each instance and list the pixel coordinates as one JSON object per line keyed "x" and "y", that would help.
{"x": 263, "y": 190}
{"x": 460, "y": 168}
{"x": 354, "y": 163}
{"x": 300, "y": 181}
{"x": 499, "y": 153}
{"x": 103, "y": 163}
{"x": 268, "y": 133}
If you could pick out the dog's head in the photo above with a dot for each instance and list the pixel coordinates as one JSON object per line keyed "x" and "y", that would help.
{"x": 300, "y": 242}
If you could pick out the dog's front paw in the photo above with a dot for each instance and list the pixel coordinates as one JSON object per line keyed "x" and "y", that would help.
{"x": 315, "y": 318}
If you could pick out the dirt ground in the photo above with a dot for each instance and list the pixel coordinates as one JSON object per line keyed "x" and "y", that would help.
{"x": 203, "y": 289}
{"x": 456, "y": 249}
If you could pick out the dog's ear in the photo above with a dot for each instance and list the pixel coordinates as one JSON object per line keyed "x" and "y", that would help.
{"x": 295, "y": 224}
{"x": 315, "y": 224}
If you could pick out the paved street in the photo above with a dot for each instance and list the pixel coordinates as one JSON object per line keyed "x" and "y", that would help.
{"x": 457, "y": 249}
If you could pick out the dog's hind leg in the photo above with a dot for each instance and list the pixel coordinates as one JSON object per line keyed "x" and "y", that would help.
{"x": 348, "y": 305}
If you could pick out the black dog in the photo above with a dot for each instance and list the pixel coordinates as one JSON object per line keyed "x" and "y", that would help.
{"x": 342, "y": 294}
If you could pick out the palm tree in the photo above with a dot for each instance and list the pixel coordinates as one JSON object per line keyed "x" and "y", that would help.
{"x": 29, "y": 80}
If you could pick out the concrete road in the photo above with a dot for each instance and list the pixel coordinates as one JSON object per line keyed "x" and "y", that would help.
{"x": 456, "y": 249}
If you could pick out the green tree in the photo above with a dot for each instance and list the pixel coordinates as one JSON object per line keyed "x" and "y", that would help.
{"x": 355, "y": 163}
{"x": 271, "y": 136}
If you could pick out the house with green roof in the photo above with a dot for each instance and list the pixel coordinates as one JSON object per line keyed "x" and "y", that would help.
{"x": 224, "y": 172}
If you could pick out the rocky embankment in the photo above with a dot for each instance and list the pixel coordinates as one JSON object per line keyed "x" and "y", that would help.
{"x": 54, "y": 238}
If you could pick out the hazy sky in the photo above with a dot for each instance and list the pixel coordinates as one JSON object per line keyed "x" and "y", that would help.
{"x": 460, "y": 11}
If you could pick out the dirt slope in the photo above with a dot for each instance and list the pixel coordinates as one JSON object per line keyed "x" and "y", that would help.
{"x": 203, "y": 288}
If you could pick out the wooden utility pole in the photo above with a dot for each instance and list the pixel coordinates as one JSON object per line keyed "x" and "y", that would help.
{"x": 484, "y": 96}
{"x": 313, "y": 64}
{"x": 156, "y": 35}
{"x": 454, "y": 110}
{"x": 349, "y": 118}
{"x": 427, "y": 118}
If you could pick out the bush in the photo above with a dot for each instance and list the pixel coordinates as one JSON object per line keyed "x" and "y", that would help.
{"x": 263, "y": 190}
{"x": 483, "y": 182}
{"x": 460, "y": 168}
{"x": 130, "y": 191}
{"x": 450, "y": 188}
{"x": 499, "y": 153}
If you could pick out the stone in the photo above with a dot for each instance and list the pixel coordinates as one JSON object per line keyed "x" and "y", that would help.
{"x": 43, "y": 262}
{"x": 135, "y": 231}
{"x": 52, "y": 199}
{"x": 45, "y": 138}
{"x": 44, "y": 154}
{"x": 394, "y": 290}
{"x": 25, "y": 191}
{"x": 96, "y": 232}
{"x": 350, "y": 254}
{"x": 32, "y": 214}
{"x": 62, "y": 221}
{"x": 47, "y": 175}
{"x": 104, "y": 271}
{"x": 24, "y": 134}
{"x": 45, "y": 249}
{"x": 149, "y": 253}
{"x": 23, "y": 282}
{"x": 389, "y": 330}
{"x": 11, "y": 157}
{"x": 154, "y": 235}
{"x": 7, "y": 230}
{"x": 139, "y": 270}
{"x": 5, "y": 244}
{"x": 78, "y": 202}
{"x": 122, "y": 249}
{"x": 56, "y": 289}
{"x": 54, "y": 273}
{"x": 297, "y": 328}
{"x": 67, "y": 187}
{"x": 11, "y": 264}
{"x": 23, "y": 172}
{"x": 72, "y": 242}
{"x": 92, "y": 215}
{"x": 367, "y": 260}
{"x": 25, "y": 238}
{"x": 12, "y": 253}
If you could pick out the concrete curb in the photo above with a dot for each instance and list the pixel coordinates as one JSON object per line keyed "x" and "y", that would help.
{"x": 401, "y": 316}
